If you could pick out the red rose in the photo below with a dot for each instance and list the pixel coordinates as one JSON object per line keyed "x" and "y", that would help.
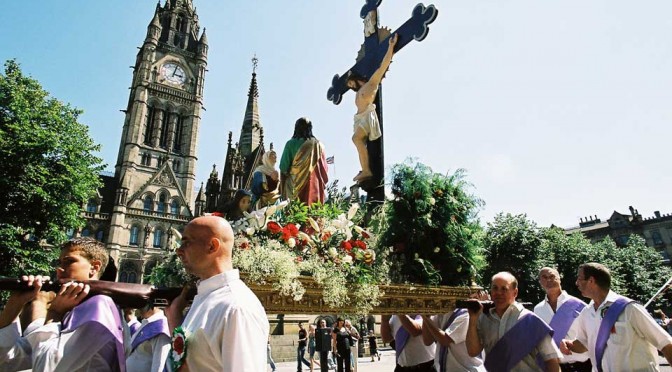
{"x": 365, "y": 235}
{"x": 273, "y": 227}
{"x": 293, "y": 230}
{"x": 285, "y": 235}
{"x": 178, "y": 344}
{"x": 346, "y": 245}
{"x": 244, "y": 245}
{"x": 360, "y": 244}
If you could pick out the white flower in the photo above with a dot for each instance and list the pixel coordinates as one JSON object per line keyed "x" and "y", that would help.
{"x": 305, "y": 237}
{"x": 432, "y": 201}
{"x": 314, "y": 224}
{"x": 353, "y": 210}
{"x": 291, "y": 242}
{"x": 250, "y": 231}
{"x": 332, "y": 252}
{"x": 437, "y": 250}
{"x": 270, "y": 210}
{"x": 282, "y": 204}
{"x": 347, "y": 259}
{"x": 358, "y": 229}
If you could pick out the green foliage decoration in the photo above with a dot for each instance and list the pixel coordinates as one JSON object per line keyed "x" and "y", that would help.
{"x": 431, "y": 227}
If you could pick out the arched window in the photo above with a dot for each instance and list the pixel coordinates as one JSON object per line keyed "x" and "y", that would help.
{"x": 174, "y": 207}
{"x": 135, "y": 231}
{"x": 127, "y": 273}
{"x": 161, "y": 206}
{"x": 99, "y": 235}
{"x": 149, "y": 203}
{"x": 92, "y": 206}
{"x": 164, "y": 129}
{"x": 179, "y": 129}
{"x": 149, "y": 125}
{"x": 86, "y": 232}
{"x": 70, "y": 233}
{"x": 158, "y": 237}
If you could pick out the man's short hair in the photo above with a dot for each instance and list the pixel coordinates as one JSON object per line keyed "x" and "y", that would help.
{"x": 552, "y": 270}
{"x": 598, "y": 272}
{"x": 514, "y": 281}
{"x": 91, "y": 249}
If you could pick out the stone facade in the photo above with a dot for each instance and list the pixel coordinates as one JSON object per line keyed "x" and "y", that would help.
{"x": 656, "y": 230}
{"x": 150, "y": 195}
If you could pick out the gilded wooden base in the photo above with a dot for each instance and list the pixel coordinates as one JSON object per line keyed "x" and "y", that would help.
{"x": 396, "y": 299}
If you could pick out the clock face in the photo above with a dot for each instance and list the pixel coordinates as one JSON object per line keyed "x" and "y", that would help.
{"x": 173, "y": 73}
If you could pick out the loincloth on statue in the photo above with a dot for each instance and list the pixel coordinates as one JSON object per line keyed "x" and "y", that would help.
{"x": 368, "y": 121}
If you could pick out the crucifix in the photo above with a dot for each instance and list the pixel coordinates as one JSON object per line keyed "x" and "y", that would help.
{"x": 369, "y": 59}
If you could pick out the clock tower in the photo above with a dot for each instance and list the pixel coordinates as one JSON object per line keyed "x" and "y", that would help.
{"x": 155, "y": 169}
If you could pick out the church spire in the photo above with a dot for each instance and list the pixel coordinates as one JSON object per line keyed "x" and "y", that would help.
{"x": 250, "y": 134}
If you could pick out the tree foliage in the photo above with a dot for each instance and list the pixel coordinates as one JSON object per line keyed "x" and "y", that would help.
{"x": 432, "y": 226}
{"x": 512, "y": 244}
{"x": 47, "y": 170}
{"x": 516, "y": 244}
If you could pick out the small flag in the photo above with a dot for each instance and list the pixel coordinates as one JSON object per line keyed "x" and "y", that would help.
{"x": 330, "y": 160}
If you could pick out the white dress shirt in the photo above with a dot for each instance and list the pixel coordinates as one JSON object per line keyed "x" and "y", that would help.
{"x": 227, "y": 328}
{"x": 415, "y": 352}
{"x": 491, "y": 328}
{"x": 90, "y": 347}
{"x": 546, "y": 313}
{"x": 633, "y": 340}
{"x": 151, "y": 355}
{"x": 457, "y": 358}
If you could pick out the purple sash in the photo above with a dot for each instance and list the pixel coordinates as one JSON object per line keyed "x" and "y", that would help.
{"x": 401, "y": 338}
{"x": 610, "y": 316}
{"x": 133, "y": 326}
{"x": 516, "y": 343}
{"x": 564, "y": 317}
{"x": 443, "y": 351}
{"x": 149, "y": 331}
{"x": 102, "y": 310}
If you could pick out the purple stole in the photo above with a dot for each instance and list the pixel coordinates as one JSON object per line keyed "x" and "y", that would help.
{"x": 401, "y": 338}
{"x": 610, "y": 316}
{"x": 133, "y": 326}
{"x": 149, "y": 331}
{"x": 562, "y": 321}
{"x": 443, "y": 351}
{"x": 102, "y": 310}
{"x": 516, "y": 343}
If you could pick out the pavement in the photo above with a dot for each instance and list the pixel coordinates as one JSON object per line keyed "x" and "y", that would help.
{"x": 364, "y": 364}
{"x": 387, "y": 363}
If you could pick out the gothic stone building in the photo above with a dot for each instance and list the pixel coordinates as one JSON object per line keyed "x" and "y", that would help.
{"x": 150, "y": 195}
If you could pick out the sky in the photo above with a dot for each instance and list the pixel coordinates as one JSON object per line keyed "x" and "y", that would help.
{"x": 556, "y": 109}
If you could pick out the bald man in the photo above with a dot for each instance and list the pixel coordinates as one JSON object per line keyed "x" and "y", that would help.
{"x": 226, "y": 327}
{"x": 512, "y": 336}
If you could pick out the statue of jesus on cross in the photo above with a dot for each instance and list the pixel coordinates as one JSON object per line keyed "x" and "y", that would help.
{"x": 366, "y": 125}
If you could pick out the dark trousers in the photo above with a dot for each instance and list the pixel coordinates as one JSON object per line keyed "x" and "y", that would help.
{"x": 324, "y": 363}
{"x": 343, "y": 360}
{"x": 577, "y": 366}
{"x": 422, "y": 367}
{"x": 300, "y": 352}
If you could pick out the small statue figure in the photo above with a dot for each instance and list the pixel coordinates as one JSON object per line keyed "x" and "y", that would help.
{"x": 265, "y": 181}
{"x": 303, "y": 166}
{"x": 367, "y": 126}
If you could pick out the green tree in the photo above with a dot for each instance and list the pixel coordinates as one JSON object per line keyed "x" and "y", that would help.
{"x": 432, "y": 225}
{"x": 47, "y": 170}
{"x": 641, "y": 272}
{"x": 513, "y": 243}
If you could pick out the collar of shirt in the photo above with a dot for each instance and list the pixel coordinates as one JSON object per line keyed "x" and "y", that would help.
{"x": 561, "y": 300}
{"x": 152, "y": 318}
{"x": 611, "y": 297}
{"x": 514, "y": 306}
{"x": 206, "y": 286}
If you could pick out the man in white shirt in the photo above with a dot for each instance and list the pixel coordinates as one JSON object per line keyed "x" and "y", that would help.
{"x": 226, "y": 327}
{"x": 449, "y": 331}
{"x": 67, "y": 331}
{"x": 412, "y": 353}
{"x": 354, "y": 348}
{"x": 512, "y": 336}
{"x": 150, "y": 344}
{"x": 559, "y": 310}
{"x": 618, "y": 333}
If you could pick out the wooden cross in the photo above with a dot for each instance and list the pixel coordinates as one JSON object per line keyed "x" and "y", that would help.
{"x": 368, "y": 60}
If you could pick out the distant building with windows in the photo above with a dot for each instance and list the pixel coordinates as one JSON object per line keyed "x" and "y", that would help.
{"x": 656, "y": 230}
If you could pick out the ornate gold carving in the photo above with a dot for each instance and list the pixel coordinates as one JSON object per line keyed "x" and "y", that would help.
{"x": 396, "y": 299}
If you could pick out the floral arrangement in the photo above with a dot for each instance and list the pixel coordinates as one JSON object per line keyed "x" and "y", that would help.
{"x": 277, "y": 244}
